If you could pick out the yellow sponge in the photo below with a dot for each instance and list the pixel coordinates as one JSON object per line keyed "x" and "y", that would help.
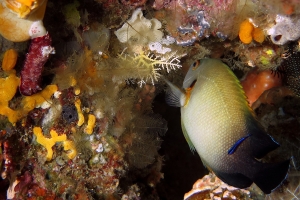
{"x": 8, "y": 86}
{"x": 30, "y": 102}
{"x": 91, "y": 123}
{"x": 69, "y": 146}
{"x": 80, "y": 115}
{"x": 48, "y": 143}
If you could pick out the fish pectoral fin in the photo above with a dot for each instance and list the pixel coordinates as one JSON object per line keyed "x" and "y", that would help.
{"x": 234, "y": 179}
{"x": 236, "y": 144}
{"x": 187, "y": 138}
{"x": 174, "y": 95}
{"x": 271, "y": 176}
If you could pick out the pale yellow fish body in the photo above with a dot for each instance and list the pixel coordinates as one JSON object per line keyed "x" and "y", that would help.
{"x": 216, "y": 119}
{"x": 216, "y": 113}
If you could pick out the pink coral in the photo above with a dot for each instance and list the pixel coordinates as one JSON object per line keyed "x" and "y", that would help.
{"x": 38, "y": 54}
{"x": 211, "y": 187}
{"x": 134, "y": 3}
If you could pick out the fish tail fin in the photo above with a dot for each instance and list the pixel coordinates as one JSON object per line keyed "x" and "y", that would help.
{"x": 271, "y": 176}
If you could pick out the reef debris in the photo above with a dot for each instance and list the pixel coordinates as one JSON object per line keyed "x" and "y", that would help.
{"x": 211, "y": 187}
{"x": 92, "y": 133}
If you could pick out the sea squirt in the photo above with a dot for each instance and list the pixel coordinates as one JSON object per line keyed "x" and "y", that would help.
{"x": 256, "y": 82}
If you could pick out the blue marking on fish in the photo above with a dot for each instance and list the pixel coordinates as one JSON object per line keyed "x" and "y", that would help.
{"x": 235, "y": 146}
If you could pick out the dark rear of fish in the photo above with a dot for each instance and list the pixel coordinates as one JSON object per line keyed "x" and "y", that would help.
{"x": 219, "y": 124}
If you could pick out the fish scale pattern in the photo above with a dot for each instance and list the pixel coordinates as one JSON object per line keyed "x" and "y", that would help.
{"x": 218, "y": 106}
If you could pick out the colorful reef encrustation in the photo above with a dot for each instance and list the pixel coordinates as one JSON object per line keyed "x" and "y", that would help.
{"x": 82, "y": 108}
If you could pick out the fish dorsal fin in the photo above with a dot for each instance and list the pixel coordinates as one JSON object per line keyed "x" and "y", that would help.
{"x": 187, "y": 138}
{"x": 174, "y": 95}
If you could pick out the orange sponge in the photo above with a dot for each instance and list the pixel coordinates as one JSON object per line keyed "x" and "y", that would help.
{"x": 9, "y": 60}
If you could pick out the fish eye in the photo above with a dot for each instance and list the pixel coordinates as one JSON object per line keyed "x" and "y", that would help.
{"x": 196, "y": 64}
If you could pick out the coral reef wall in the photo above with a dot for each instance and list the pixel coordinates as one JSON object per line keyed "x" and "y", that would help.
{"x": 82, "y": 113}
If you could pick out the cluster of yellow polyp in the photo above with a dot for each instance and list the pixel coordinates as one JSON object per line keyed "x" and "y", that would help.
{"x": 8, "y": 89}
{"x": 48, "y": 143}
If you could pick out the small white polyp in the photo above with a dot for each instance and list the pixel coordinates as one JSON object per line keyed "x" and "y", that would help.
{"x": 37, "y": 29}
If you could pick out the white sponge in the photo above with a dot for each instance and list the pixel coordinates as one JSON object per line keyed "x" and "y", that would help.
{"x": 139, "y": 31}
{"x": 286, "y": 29}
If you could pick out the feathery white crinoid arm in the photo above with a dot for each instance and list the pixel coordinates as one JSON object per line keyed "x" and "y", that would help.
{"x": 148, "y": 65}
{"x": 169, "y": 62}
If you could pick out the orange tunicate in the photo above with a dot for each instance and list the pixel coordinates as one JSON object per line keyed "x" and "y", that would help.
{"x": 16, "y": 22}
{"x": 27, "y": 2}
{"x": 248, "y": 32}
{"x": 9, "y": 60}
{"x": 245, "y": 33}
{"x": 256, "y": 82}
{"x": 258, "y": 35}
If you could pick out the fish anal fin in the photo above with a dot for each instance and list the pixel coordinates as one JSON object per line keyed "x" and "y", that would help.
{"x": 234, "y": 179}
{"x": 187, "y": 138}
{"x": 271, "y": 176}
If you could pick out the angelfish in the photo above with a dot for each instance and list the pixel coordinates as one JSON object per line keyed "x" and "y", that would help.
{"x": 218, "y": 123}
